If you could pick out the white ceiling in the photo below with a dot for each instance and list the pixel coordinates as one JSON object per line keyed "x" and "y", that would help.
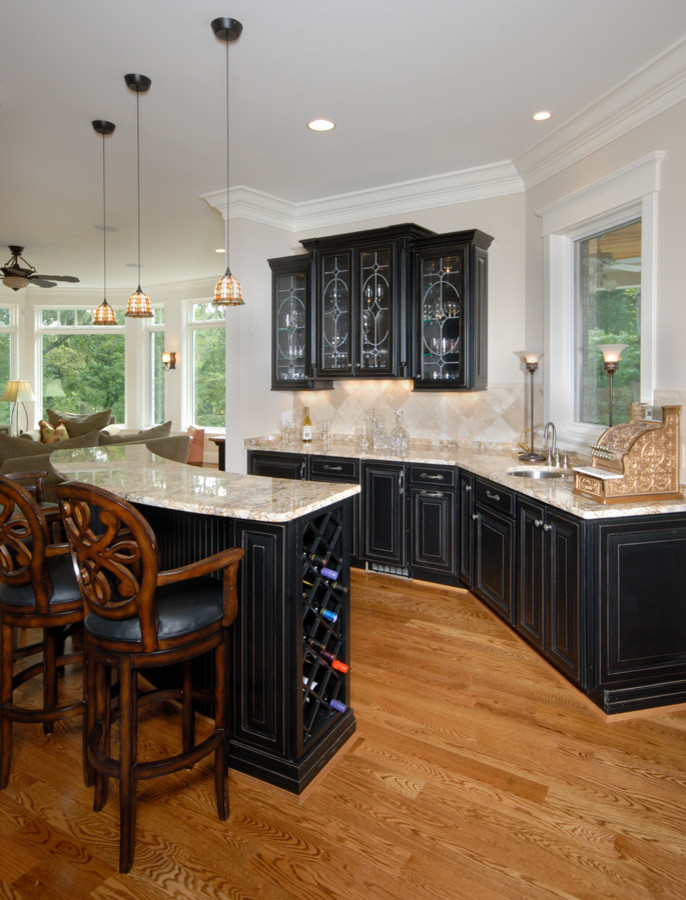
{"x": 416, "y": 90}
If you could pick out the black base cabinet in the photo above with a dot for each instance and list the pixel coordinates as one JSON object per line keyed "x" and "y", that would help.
{"x": 384, "y": 513}
{"x": 550, "y": 612}
{"x": 640, "y": 614}
{"x": 493, "y": 547}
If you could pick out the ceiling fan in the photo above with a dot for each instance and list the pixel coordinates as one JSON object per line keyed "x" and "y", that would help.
{"x": 18, "y": 276}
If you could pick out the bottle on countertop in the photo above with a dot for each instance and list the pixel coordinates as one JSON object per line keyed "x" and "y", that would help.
{"x": 307, "y": 425}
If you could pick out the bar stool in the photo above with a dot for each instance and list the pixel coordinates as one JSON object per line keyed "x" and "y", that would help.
{"x": 139, "y": 617}
{"x": 38, "y": 590}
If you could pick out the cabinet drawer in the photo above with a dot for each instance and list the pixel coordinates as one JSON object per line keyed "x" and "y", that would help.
{"x": 334, "y": 468}
{"x": 494, "y": 496}
{"x": 437, "y": 476}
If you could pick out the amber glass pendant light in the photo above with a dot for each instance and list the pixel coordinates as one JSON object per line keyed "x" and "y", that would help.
{"x": 138, "y": 306}
{"x": 104, "y": 314}
{"x": 228, "y": 290}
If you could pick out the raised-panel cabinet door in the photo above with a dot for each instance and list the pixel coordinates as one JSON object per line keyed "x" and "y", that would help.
{"x": 384, "y": 515}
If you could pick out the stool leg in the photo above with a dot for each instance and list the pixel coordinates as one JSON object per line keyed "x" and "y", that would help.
{"x": 97, "y": 716}
{"x": 221, "y": 691}
{"x": 127, "y": 761}
{"x": 49, "y": 676}
{"x": 6, "y": 660}
{"x": 188, "y": 716}
{"x": 88, "y": 715}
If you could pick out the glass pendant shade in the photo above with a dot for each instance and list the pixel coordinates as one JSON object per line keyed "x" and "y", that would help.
{"x": 228, "y": 291}
{"x": 104, "y": 315}
{"x": 138, "y": 306}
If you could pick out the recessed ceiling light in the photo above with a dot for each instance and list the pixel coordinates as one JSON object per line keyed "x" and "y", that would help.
{"x": 321, "y": 125}
{"x": 220, "y": 250}
{"x": 542, "y": 116}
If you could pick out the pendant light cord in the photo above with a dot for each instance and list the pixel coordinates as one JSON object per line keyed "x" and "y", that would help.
{"x": 104, "y": 225}
{"x": 227, "y": 157}
{"x": 138, "y": 178}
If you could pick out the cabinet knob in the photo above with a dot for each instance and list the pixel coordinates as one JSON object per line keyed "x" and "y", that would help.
{"x": 547, "y": 527}
{"x": 475, "y": 517}
{"x": 467, "y": 488}
{"x": 538, "y": 523}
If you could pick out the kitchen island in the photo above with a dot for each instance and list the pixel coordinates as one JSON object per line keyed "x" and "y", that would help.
{"x": 597, "y": 590}
{"x": 290, "y": 707}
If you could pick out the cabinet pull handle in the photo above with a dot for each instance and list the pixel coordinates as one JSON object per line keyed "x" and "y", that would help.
{"x": 467, "y": 488}
{"x": 302, "y": 470}
{"x": 492, "y": 496}
{"x": 431, "y": 494}
{"x": 332, "y": 468}
{"x": 538, "y": 523}
{"x": 434, "y": 477}
{"x": 547, "y": 527}
{"x": 475, "y": 517}
{"x": 401, "y": 482}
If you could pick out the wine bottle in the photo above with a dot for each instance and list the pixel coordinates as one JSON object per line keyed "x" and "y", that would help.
{"x": 331, "y": 585}
{"x": 307, "y": 425}
{"x": 319, "y": 560}
{"x": 327, "y": 614}
{"x": 328, "y": 656}
{"x": 334, "y": 704}
{"x": 324, "y": 571}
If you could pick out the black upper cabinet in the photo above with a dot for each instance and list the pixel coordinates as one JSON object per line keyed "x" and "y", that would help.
{"x": 360, "y": 301}
{"x": 292, "y": 324}
{"x": 450, "y": 311}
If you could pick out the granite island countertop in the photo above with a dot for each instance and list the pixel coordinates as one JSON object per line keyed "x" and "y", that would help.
{"x": 136, "y": 474}
{"x": 493, "y": 464}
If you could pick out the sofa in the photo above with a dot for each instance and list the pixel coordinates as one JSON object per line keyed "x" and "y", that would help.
{"x": 28, "y": 454}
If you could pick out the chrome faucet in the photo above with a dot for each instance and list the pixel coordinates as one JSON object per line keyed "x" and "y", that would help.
{"x": 553, "y": 452}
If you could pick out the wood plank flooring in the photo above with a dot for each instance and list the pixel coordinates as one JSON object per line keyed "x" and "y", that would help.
{"x": 476, "y": 772}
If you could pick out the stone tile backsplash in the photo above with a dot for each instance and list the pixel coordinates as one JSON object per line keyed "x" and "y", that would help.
{"x": 497, "y": 416}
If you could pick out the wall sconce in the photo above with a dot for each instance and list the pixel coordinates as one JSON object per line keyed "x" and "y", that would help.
{"x": 169, "y": 359}
{"x": 611, "y": 354}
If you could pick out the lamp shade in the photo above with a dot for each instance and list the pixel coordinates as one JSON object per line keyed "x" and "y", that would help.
{"x": 611, "y": 352}
{"x": 18, "y": 392}
{"x": 228, "y": 291}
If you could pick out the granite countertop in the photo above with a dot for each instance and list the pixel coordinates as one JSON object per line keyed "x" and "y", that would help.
{"x": 136, "y": 474}
{"x": 488, "y": 462}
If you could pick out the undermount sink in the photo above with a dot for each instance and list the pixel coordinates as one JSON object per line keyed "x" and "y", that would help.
{"x": 538, "y": 472}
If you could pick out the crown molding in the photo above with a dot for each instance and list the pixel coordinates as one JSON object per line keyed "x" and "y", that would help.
{"x": 477, "y": 183}
{"x": 649, "y": 91}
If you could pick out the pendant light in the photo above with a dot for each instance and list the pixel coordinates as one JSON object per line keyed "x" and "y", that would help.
{"x": 138, "y": 306}
{"x": 104, "y": 314}
{"x": 228, "y": 290}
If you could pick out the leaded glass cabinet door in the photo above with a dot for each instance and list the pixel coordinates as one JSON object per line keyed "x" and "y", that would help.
{"x": 450, "y": 311}
{"x": 291, "y": 310}
{"x": 336, "y": 313}
{"x": 377, "y": 277}
{"x": 442, "y": 318}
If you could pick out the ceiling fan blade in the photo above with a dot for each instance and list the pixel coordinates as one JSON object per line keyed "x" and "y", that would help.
{"x": 41, "y": 282}
{"x": 36, "y": 277}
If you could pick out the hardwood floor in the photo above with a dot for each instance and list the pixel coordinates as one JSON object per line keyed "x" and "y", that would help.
{"x": 476, "y": 772}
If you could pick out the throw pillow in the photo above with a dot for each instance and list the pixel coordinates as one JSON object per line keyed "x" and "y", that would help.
{"x": 77, "y": 425}
{"x": 50, "y": 435}
{"x": 145, "y": 434}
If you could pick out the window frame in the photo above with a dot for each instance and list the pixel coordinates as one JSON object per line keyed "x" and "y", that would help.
{"x": 191, "y": 326}
{"x": 628, "y": 194}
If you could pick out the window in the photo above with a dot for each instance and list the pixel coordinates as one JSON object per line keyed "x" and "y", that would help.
{"x": 209, "y": 365}
{"x": 608, "y": 311}
{"x": 574, "y": 378}
{"x": 82, "y": 365}
{"x": 7, "y": 338}
{"x": 156, "y": 345}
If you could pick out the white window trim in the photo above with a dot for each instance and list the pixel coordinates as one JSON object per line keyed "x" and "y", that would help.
{"x": 190, "y": 327}
{"x": 627, "y": 194}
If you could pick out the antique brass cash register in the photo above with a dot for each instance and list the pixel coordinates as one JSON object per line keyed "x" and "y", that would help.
{"x": 637, "y": 460}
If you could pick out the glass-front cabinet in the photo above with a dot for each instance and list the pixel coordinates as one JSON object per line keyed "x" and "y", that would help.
{"x": 361, "y": 294}
{"x": 450, "y": 311}
{"x": 292, "y": 366}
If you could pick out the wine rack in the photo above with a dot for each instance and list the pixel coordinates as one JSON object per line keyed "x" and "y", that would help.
{"x": 324, "y": 624}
